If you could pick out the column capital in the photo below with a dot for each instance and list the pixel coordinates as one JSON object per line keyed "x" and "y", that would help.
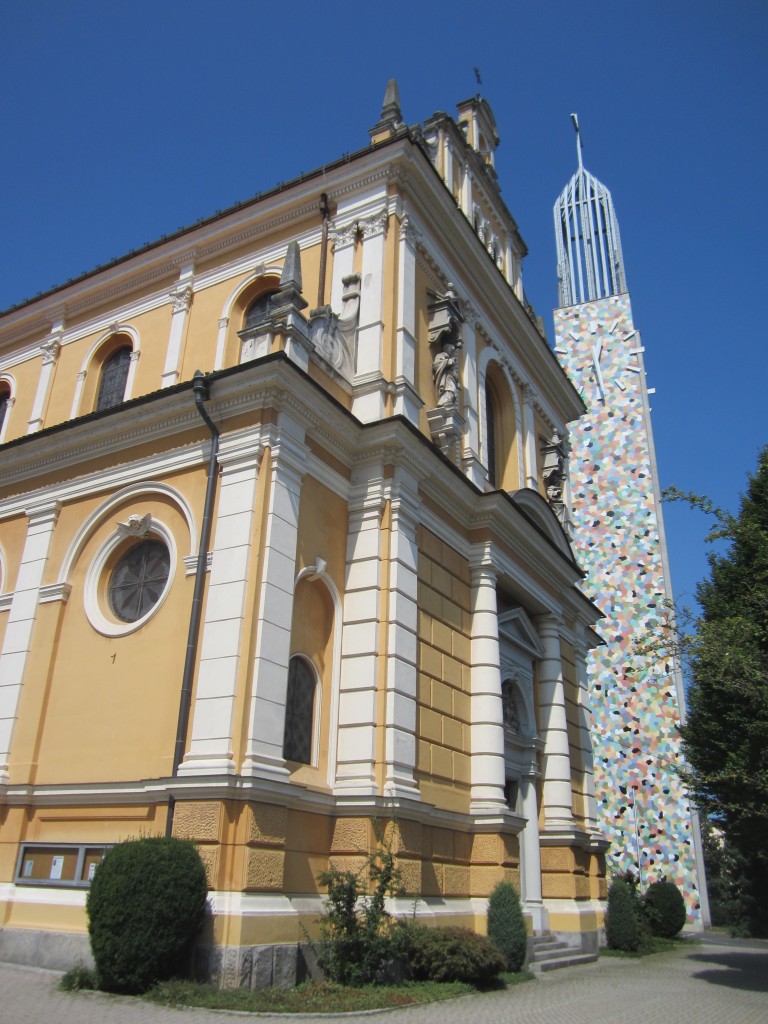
{"x": 181, "y": 298}
{"x": 50, "y": 349}
{"x": 40, "y": 515}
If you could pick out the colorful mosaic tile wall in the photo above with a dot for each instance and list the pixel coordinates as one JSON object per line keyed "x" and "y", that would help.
{"x": 642, "y": 806}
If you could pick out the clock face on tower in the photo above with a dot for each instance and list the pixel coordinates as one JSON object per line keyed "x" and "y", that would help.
{"x": 603, "y": 359}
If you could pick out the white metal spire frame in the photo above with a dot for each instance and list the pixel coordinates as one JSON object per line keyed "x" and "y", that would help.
{"x": 589, "y": 261}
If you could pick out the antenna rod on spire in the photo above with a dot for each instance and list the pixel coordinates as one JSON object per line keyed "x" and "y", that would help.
{"x": 575, "y": 119}
{"x": 479, "y": 79}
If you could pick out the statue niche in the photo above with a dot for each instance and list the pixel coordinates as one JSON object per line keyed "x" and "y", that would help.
{"x": 445, "y": 342}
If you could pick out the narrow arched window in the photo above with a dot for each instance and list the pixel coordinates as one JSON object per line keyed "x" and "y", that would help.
{"x": 5, "y": 400}
{"x": 299, "y": 712}
{"x": 257, "y": 311}
{"x": 490, "y": 434}
{"x": 114, "y": 377}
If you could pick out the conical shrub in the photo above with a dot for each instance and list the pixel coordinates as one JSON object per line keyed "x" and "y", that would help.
{"x": 506, "y": 925}
{"x": 622, "y": 930}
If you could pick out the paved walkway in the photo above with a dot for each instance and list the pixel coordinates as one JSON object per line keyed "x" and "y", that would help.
{"x": 717, "y": 982}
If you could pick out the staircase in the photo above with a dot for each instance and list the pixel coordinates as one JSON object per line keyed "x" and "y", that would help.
{"x": 549, "y": 954}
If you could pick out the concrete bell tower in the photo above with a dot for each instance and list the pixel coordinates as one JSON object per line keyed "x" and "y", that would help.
{"x": 636, "y": 688}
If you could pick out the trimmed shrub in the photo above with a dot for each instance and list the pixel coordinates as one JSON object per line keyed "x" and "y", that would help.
{"x": 622, "y": 929}
{"x": 453, "y": 954}
{"x": 145, "y": 906}
{"x": 506, "y": 925}
{"x": 664, "y": 908}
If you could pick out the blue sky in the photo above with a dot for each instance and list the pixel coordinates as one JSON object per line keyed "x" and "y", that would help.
{"x": 124, "y": 122}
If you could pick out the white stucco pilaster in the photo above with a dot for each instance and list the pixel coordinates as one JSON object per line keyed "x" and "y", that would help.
{"x": 49, "y": 350}
{"x": 402, "y": 638}
{"x": 212, "y": 742}
{"x": 558, "y": 795}
{"x": 17, "y": 641}
{"x": 360, "y": 645}
{"x": 529, "y": 438}
{"x": 288, "y": 457}
{"x": 343, "y": 240}
{"x": 470, "y": 454}
{"x": 407, "y": 401}
{"x": 370, "y": 386}
{"x": 181, "y": 300}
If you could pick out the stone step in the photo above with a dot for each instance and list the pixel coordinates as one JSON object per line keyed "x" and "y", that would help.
{"x": 573, "y": 959}
{"x": 549, "y": 943}
{"x": 553, "y": 952}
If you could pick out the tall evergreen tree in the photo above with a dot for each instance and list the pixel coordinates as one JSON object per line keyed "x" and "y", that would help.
{"x": 725, "y": 739}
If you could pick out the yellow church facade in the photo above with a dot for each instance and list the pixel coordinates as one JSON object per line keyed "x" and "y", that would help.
{"x": 283, "y": 554}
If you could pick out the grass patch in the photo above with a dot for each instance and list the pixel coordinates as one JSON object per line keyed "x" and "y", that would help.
{"x": 77, "y": 978}
{"x": 311, "y": 997}
{"x": 511, "y": 978}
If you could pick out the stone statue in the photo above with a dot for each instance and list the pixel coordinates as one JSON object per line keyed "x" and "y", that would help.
{"x": 445, "y": 371}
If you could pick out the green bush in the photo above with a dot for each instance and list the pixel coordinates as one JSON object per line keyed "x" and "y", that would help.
{"x": 622, "y": 928}
{"x": 453, "y": 954}
{"x": 506, "y": 925}
{"x": 358, "y": 938}
{"x": 145, "y": 906}
{"x": 664, "y": 909}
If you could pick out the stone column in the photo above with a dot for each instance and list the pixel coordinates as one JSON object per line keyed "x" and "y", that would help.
{"x": 221, "y": 344}
{"x": 585, "y": 730}
{"x": 17, "y": 642}
{"x": 224, "y": 628}
{"x": 132, "y": 364}
{"x": 356, "y": 755}
{"x": 181, "y": 298}
{"x": 49, "y": 349}
{"x": 487, "y": 730}
{"x": 402, "y": 639}
{"x": 4, "y": 424}
{"x": 466, "y": 196}
{"x": 531, "y": 475}
{"x": 288, "y": 455}
{"x": 79, "y": 385}
{"x": 530, "y": 853}
{"x": 558, "y": 796}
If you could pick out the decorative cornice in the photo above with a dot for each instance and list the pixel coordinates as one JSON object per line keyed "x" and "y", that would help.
{"x": 55, "y": 592}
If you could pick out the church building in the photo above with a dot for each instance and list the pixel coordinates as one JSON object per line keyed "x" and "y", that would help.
{"x": 283, "y": 554}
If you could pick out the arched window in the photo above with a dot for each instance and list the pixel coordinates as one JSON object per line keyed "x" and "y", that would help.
{"x": 491, "y": 428}
{"x": 5, "y": 401}
{"x": 299, "y": 711}
{"x": 510, "y": 706}
{"x": 257, "y": 311}
{"x": 114, "y": 377}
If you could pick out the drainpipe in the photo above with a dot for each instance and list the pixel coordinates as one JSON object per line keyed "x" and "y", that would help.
{"x": 200, "y": 390}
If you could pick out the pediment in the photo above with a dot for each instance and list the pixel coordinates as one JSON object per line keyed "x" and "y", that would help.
{"x": 539, "y": 511}
{"x": 517, "y": 629}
